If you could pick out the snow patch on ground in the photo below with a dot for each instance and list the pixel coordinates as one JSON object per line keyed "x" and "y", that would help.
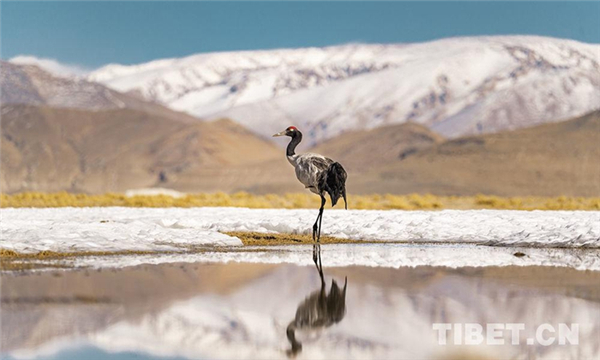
{"x": 154, "y": 192}
{"x": 114, "y": 228}
{"x": 101, "y": 229}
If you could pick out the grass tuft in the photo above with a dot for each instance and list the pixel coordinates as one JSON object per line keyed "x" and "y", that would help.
{"x": 249, "y": 238}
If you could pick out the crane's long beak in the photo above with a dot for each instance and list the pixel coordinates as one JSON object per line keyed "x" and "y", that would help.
{"x": 279, "y": 134}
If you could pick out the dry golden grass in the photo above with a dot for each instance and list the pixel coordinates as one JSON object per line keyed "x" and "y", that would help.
{"x": 295, "y": 201}
{"x": 249, "y": 238}
{"x": 6, "y": 254}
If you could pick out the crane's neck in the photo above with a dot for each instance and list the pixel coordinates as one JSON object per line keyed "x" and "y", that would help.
{"x": 296, "y": 138}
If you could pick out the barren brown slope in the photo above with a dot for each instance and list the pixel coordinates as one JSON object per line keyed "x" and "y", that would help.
{"x": 367, "y": 149}
{"x": 49, "y": 149}
{"x": 547, "y": 160}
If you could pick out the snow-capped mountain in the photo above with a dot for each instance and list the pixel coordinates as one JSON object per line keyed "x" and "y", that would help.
{"x": 455, "y": 86}
{"x": 29, "y": 84}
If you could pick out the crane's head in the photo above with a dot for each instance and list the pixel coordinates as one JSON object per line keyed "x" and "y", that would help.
{"x": 290, "y": 131}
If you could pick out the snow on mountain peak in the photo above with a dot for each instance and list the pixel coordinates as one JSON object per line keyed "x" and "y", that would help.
{"x": 53, "y": 66}
{"x": 455, "y": 86}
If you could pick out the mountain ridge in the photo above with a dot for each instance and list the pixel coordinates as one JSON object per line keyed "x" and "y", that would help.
{"x": 32, "y": 85}
{"x": 455, "y": 86}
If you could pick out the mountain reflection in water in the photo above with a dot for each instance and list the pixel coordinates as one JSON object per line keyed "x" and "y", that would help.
{"x": 276, "y": 311}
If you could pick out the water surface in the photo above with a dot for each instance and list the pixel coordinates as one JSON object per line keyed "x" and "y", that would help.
{"x": 242, "y": 310}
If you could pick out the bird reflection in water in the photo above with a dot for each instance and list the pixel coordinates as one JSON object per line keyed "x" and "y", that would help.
{"x": 319, "y": 310}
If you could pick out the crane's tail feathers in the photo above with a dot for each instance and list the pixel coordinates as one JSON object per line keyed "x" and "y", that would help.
{"x": 334, "y": 182}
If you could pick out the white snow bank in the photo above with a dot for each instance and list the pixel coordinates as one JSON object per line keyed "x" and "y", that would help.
{"x": 154, "y": 191}
{"x": 111, "y": 229}
{"x": 100, "y": 229}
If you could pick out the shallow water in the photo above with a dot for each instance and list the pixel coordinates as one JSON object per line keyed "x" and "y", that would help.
{"x": 242, "y": 310}
{"x": 450, "y": 255}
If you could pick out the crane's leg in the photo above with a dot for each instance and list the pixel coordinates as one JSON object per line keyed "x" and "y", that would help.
{"x": 317, "y": 225}
{"x": 318, "y": 264}
{"x": 321, "y": 217}
{"x": 315, "y": 228}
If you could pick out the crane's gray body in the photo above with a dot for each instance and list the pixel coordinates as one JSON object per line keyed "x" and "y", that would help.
{"x": 309, "y": 168}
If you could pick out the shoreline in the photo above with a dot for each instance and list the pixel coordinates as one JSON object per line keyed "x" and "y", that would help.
{"x": 370, "y": 254}
{"x": 38, "y": 239}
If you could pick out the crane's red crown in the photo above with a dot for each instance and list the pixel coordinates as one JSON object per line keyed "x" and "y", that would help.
{"x": 292, "y": 128}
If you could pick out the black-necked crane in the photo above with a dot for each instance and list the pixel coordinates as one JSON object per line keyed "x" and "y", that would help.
{"x": 317, "y": 173}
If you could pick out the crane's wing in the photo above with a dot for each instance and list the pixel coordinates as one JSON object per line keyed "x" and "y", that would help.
{"x": 333, "y": 181}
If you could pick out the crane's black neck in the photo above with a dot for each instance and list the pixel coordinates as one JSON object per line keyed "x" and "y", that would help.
{"x": 296, "y": 138}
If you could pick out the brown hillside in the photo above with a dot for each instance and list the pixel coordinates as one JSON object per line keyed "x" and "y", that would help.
{"x": 360, "y": 150}
{"x": 547, "y": 160}
{"x": 48, "y": 149}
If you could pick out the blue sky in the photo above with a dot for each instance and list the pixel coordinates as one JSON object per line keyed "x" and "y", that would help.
{"x": 96, "y": 33}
